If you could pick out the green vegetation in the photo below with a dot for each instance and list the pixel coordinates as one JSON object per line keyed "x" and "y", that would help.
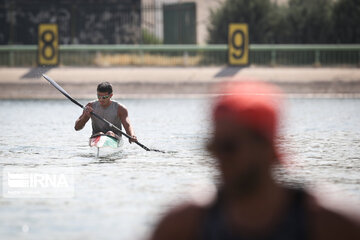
{"x": 346, "y": 17}
{"x": 149, "y": 38}
{"x": 300, "y": 21}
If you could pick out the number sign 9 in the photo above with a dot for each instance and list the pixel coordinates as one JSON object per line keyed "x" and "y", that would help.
{"x": 238, "y": 44}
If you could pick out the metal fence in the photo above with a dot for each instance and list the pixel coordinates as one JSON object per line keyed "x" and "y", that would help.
{"x": 79, "y": 21}
{"x": 184, "y": 55}
{"x": 91, "y": 22}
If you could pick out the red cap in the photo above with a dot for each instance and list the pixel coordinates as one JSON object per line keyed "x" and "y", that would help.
{"x": 253, "y": 104}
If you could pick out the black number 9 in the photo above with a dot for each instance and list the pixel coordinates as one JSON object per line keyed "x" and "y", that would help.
{"x": 238, "y": 47}
{"x": 48, "y": 43}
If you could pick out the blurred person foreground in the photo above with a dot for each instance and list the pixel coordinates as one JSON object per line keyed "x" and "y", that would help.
{"x": 250, "y": 204}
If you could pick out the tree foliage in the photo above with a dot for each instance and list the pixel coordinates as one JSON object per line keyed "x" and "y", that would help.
{"x": 309, "y": 21}
{"x": 254, "y": 12}
{"x": 346, "y": 16}
{"x": 300, "y": 21}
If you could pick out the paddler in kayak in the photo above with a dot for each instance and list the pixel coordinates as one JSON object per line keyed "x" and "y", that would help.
{"x": 111, "y": 110}
{"x": 250, "y": 203}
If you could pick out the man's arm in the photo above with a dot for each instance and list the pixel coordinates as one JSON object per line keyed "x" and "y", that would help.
{"x": 124, "y": 117}
{"x": 85, "y": 116}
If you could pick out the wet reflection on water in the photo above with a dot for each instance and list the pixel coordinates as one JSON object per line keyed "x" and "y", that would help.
{"x": 121, "y": 194}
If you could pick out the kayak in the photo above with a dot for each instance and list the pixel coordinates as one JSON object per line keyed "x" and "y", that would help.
{"x": 103, "y": 140}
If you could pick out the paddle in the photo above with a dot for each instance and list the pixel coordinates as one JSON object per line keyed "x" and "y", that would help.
{"x": 58, "y": 87}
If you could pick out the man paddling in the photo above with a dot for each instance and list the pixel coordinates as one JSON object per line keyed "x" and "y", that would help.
{"x": 111, "y": 110}
{"x": 250, "y": 203}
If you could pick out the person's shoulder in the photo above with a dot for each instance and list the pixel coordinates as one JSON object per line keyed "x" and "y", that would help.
{"x": 185, "y": 211}
{"x": 122, "y": 110}
{"x": 332, "y": 222}
{"x": 182, "y": 222}
{"x": 118, "y": 104}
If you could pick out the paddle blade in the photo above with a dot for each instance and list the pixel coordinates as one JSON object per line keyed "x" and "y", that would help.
{"x": 58, "y": 87}
{"x": 157, "y": 150}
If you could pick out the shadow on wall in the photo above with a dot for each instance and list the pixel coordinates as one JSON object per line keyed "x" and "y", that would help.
{"x": 36, "y": 72}
{"x": 228, "y": 72}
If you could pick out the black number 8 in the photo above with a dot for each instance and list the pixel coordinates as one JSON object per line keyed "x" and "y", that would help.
{"x": 239, "y": 48}
{"x": 48, "y": 44}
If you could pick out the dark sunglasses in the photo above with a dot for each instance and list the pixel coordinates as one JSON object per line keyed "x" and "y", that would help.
{"x": 103, "y": 97}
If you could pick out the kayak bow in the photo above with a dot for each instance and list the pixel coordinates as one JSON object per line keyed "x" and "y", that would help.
{"x": 104, "y": 140}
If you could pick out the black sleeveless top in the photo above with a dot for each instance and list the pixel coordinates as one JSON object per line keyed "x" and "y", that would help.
{"x": 293, "y": 225}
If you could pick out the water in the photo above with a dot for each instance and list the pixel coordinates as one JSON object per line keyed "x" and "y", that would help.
{"x": 122, "y": 194}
